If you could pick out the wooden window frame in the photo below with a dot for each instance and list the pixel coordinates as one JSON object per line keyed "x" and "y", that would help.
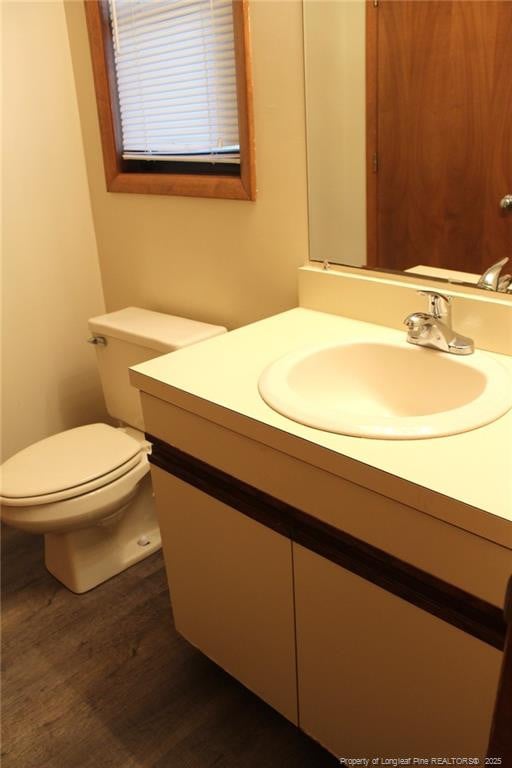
{"x": 234, "y": 187}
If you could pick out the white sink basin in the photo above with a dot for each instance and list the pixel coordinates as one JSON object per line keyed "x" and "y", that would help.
{"x": 391, "y": 391}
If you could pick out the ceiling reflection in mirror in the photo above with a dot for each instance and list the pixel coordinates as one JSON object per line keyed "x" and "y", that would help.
{"x": 409, "y": 125}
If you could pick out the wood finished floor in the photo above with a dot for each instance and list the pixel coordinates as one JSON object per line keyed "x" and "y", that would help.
{"x": 103, "y": 680}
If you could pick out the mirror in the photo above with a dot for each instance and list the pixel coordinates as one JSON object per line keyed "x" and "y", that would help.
{"x": 409, "y": 126}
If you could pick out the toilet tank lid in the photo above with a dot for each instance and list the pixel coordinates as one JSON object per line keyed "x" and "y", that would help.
{"x": 154, "y": 330}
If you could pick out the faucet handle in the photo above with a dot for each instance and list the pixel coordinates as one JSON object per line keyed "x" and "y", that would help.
{"x": 438, "y": 305}
{"x": 490, "y": 278}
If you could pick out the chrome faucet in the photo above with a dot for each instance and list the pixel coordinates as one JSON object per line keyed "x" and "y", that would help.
{"x": 493, "y": 280}
{"x": 434, "y": 329}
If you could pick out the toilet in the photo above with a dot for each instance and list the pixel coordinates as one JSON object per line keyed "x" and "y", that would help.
{"x": 88, "y": 489}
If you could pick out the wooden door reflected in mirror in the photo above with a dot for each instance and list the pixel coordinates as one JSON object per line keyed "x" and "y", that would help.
{"x": 409, "y": 111}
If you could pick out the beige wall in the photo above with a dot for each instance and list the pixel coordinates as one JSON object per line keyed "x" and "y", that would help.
{"x": 222, "y": 261}
{"x": 51, "y": 281}
{"x": 334, "y": 34}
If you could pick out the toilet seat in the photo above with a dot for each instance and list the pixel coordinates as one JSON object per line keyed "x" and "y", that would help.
{"x": 70, "y": 464}
{"x": 80, "y": 511}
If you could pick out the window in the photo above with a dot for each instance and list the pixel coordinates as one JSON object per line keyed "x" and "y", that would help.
{"x": 174, "y": 94}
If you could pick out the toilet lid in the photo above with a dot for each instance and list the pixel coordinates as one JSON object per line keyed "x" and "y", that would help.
{"x": 68, "y": 464}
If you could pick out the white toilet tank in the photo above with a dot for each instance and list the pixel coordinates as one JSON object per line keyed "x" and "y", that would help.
{"x": 131, "y": 336}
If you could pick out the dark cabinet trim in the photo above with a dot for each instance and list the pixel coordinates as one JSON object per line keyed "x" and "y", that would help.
{"x": 451, "y": 604}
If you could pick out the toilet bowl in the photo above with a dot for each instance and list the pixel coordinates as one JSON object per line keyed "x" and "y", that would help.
{"x": 88, "y": 489}
{"x": 94, "y": 528}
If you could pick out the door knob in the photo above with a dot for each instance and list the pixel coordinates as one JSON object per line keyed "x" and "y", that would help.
{"x": 506, "y": 203}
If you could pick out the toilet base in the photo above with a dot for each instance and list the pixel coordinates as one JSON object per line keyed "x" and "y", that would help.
{"x": 84, "y": 558}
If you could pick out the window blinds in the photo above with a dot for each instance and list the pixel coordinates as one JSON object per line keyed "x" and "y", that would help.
{"x": 176, "y": 79}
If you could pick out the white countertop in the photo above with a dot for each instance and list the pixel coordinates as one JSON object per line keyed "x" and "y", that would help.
{"x": 464, "y": 479}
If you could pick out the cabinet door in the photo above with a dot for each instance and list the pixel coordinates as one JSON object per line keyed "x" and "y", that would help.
{"x": 230, "y": 581}
{"x": 378, "y": 676}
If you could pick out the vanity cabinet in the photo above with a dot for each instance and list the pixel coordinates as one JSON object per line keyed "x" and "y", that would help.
{"x": 361, "y": 670}
{"x": 378, "y": 676}
{"x": 231, "y": 588}
{"x": 374, "y": 627}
